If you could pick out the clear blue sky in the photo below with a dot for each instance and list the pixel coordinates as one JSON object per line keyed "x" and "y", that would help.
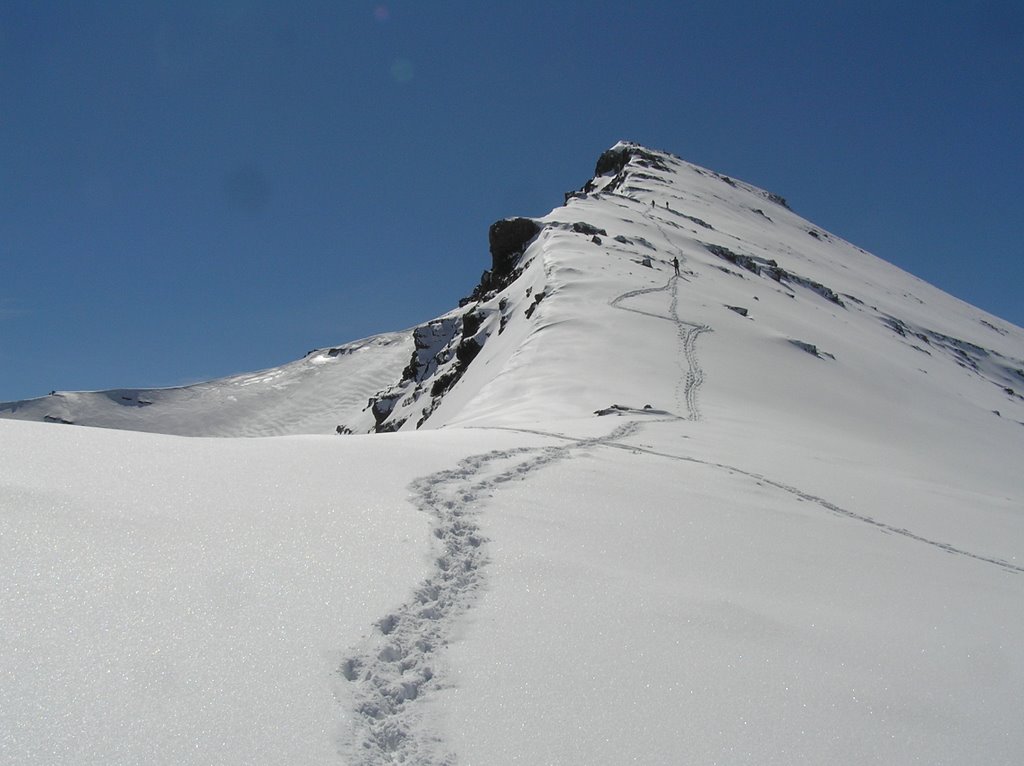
{"x": 189, "y": 190}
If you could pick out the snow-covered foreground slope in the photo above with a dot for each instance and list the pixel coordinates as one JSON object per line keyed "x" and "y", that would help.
{"x": 606, "y": 594}
{"x": 170, "y": 600}
{"x": 797, "y": 536}
{"x": 677, "y": 611}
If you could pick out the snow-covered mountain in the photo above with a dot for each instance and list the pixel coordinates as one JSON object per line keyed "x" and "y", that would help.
{"x": 554, "y": 305}
{"x": 685, "y": 479}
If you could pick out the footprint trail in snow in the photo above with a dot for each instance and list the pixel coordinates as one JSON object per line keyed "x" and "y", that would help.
{"x": 792, "y": 490}
{"x": 687, "y": 333}
{"x": 400, "y": 662}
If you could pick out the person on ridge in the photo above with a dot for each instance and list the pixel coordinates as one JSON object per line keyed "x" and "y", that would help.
{"x": 675, "y": 265}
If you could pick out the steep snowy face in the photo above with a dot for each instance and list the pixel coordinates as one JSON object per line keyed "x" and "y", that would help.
{"x": 794, "y": 323}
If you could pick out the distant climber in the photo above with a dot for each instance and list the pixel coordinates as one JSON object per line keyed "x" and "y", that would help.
{"x": 675, "y": 265}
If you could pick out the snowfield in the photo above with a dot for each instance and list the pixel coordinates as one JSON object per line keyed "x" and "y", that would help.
{"x": 766, "y": 511}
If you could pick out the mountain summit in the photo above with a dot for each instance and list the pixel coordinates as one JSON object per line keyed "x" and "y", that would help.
{"x": 684, "y": 479}
{"x": 579, "y": 307}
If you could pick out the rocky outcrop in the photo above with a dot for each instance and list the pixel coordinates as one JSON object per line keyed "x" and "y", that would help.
{"x": 443, "y": 350}
{"x": 581, "y": 227}
{"x": 811, "y": 349}
{"x": 508, "y": 239}
{"x": 615, "y": 161}
{"x": 1004, "y": 371}
{"x": 770, "y": 268}
{"x": 533, "y": 306}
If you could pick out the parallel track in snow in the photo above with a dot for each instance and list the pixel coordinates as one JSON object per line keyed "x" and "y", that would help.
{"x": 687, "y": 332}
{"x": 790, "y": 489}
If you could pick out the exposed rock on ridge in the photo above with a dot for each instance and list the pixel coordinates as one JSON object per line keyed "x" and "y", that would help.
{"x": 616, "y": 160}
{"x": 508, "y": 239}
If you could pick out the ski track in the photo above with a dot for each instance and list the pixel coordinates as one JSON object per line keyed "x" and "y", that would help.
{"x": 398, "y": 664}
{"x": 687, "y": 333}
{"x": 694, "y": 377}
{"x": 790, "y": 489}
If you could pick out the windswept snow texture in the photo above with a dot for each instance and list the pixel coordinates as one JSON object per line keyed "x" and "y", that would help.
{"x": 765, "y": 510}
{"x": 328, "y": 388}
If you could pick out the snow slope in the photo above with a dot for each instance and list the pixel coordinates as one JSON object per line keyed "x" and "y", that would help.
{"x": 767, "y": 511}
{"x": 327, "y": 388}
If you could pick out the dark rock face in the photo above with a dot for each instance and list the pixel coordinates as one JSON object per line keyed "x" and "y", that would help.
{"x": 381, "y": 408}
{"x": 444, "y": 349}
{"x": 443, "y": 383}
{"x": 615, "y": 159}
{"x": 612, "y": 161}
{"x": 466, "y": 351}
{"x": 390, "y": 426}
{"x": 743, "y": 261}
{"x": 581, "y": 227}
{"x": 471, "y": 322}
{"x": 533, "y": 306}
{"x": 508, "y": 239}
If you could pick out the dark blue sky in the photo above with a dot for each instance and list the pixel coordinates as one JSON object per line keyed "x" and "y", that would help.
{"x": 189, "y": 190}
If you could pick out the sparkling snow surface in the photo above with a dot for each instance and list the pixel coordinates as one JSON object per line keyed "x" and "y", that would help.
{"x": 808, "y": 549}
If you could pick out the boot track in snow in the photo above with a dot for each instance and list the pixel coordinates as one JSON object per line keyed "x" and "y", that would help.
{"x": 693, "y": 375}
{"x": 399, "y": 663}
{"x": 687, "y": 332}
{"x": 795, "y": 492}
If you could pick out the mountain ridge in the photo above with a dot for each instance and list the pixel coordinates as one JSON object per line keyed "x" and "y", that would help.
{"x": 642, "y": 207}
